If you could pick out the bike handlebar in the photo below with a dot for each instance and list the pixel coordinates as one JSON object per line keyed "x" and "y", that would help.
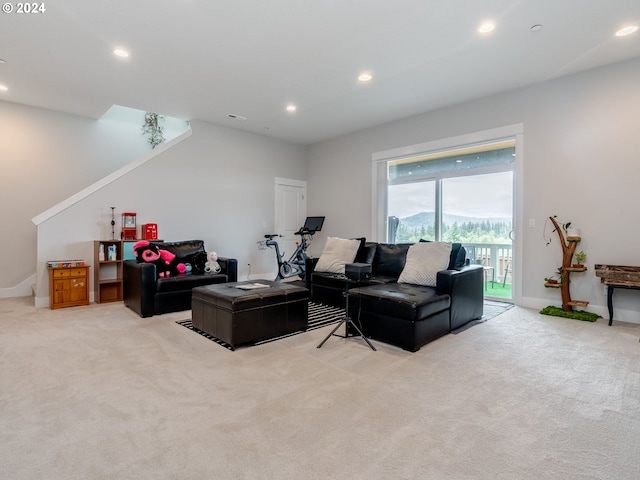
{"x": 305, "y": 231}
{"x": 302, "y": 231}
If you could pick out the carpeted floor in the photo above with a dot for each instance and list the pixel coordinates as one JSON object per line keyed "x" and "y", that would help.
{"x": 99, "y": 393}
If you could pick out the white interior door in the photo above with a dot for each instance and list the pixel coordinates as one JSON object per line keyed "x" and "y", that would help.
{"x": 291, "y": 212}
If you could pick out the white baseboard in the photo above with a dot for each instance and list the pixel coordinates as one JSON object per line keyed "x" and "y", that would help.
{"x": 23, "y": 289}
{"x": 41, "y": 302}
{"x": 621, "y": 315}
{"x": 259, "y": 276}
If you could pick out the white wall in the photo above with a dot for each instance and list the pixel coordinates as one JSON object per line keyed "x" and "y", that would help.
{"x": 217, "y": 186}
{"x": 581, "y": 163}
{"x": 45, "y": 157}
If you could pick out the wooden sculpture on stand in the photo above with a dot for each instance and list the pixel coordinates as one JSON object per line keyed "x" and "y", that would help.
{"x": 569, "y": 245}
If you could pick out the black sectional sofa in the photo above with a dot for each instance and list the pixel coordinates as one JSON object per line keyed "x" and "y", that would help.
{"x": 403, "y": 314}
{"x": 148, "y": 295}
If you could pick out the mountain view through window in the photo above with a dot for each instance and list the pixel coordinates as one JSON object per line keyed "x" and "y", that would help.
{"x": 463, "y": 196}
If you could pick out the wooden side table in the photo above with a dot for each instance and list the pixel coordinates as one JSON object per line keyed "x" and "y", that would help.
{"x": 617, "y": 276}
{"x": 68, "y": 286}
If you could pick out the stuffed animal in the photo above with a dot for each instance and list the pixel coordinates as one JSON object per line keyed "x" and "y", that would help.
{"x": 199, "y": 261}
{"x": 166, "y": 263}
{"x": 212, "y": 265}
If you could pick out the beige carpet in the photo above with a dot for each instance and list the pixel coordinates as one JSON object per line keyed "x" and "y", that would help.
{"x": 98, "y": 393}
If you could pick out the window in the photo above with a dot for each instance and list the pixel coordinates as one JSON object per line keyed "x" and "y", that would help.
{"x": 453, "y": 190}
{"x": 463, "y": 195}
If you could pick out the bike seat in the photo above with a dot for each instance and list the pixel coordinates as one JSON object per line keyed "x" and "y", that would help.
{"x": 271, "y": 236}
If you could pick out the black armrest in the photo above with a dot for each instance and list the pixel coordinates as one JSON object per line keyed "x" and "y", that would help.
{"x": 139, "y": 287}
{"x": 448, "y": 280}
{"x": 465, "y": 288}
{"x": 229, "y": 266}
{"x": 309, "y": 267}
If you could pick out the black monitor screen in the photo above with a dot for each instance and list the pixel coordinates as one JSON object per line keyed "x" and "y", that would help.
{"x": 313, "y": 224}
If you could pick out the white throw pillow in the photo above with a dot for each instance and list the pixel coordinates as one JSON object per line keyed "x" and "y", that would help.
{"x": 424, "y": 261}
{"x": 336, "y": 254}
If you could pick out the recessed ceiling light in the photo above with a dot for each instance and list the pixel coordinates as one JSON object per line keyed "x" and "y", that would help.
{"x": 536, "y": 28}
{"x": 2, "y": 61}
{"x": 291, "y": 108}
{"x": 486, "y": 28}
{"x": 121, "y": 52}
{"x": 233, "y": 116}
{"x": 628, "y": 30}
{"x": 3, "y": 88}
{"x": 365, "y": 77}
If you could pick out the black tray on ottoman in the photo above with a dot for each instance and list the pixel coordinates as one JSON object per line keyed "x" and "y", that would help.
{"x": 237, "y": 315}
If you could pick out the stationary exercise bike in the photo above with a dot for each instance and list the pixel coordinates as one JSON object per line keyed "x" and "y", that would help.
{"x": 296, "y": 265}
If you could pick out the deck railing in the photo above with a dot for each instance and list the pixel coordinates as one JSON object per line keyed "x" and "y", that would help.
{"x": 497, "y": 256}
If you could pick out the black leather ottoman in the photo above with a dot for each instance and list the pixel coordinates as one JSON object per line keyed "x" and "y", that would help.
{"x": 238, "y": 316}
{"x": 401, "y": 314}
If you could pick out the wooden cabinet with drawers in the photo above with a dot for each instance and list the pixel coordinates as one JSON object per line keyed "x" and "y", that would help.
{"x": 68, "y": 286}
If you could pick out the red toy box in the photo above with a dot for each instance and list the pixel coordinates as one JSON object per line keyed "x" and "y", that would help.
{"x": 150, "y": 231}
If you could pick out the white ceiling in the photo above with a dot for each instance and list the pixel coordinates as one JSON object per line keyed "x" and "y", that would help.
{"x": 204, "y": 59}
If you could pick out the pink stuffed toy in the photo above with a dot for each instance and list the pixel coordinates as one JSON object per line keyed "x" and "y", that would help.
{"x": 166, "y": 262}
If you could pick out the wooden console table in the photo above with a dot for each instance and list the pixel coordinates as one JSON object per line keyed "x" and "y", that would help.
{"x": 617, "y": 276}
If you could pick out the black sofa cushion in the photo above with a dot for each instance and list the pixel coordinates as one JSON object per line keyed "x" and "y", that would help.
{"x": 458, "y": 256}
{"x": 366, "y": 252}
{"x": 188, "y": 281}
{"x": 389, "y": 259}
{"x": 183, "y": 250}
{"x": 400, "y": 300}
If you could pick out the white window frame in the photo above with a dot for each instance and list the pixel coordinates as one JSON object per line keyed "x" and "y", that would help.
{"x": 380, "y": 161}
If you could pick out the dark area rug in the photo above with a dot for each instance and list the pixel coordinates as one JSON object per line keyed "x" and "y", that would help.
{"x": 491, "y": 309}
{"x": 319, "y": 316}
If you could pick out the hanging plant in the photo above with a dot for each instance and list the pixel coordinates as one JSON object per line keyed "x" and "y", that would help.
{"x": 152, "y": 128}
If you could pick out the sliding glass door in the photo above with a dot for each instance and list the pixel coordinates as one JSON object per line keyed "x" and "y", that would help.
{"x": 461, "y": 196}
{"x": 477, "y": 212}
